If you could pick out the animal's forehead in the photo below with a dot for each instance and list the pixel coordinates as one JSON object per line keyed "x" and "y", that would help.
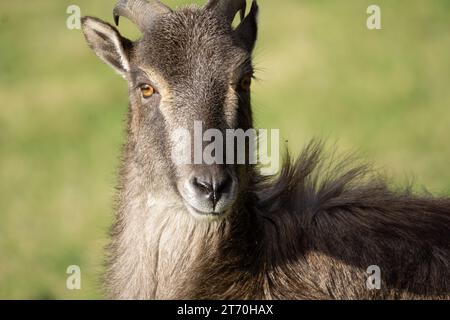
{"x": 191, "y": 41}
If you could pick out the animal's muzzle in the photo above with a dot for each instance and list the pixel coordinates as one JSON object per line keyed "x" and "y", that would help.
{"x": 209, "y": 190}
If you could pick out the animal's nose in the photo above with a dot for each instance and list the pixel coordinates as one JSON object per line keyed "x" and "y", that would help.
{"x": 212, "y": 186}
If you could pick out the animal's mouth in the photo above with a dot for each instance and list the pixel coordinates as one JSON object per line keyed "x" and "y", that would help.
{"x": 203, "y": 215}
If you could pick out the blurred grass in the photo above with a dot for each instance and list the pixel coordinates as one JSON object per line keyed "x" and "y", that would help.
{"x": 322, "y": 73}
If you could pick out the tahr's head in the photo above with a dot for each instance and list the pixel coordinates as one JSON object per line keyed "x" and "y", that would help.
{"x": 190, "y": 66}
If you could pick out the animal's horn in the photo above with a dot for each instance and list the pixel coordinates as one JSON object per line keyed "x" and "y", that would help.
{"x": 228, "y": 8}
{"x": 141, "y": 12}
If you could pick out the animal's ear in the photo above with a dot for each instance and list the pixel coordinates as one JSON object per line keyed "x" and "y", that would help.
{"x": 247, "y": 31}
{"x": 108, "y": 44}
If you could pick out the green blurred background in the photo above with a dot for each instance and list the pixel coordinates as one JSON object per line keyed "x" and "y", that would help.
{"x": 322, "y": 73}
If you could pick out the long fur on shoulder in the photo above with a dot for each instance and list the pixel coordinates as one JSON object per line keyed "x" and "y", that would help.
{"x": 314, "y": 232}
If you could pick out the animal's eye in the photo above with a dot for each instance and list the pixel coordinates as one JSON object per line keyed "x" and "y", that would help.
{"x": 246, "y": 83}
{"x": 147, "y": 91}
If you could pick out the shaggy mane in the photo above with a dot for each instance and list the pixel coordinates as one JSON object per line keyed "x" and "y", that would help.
{"x": 346, "y": 216}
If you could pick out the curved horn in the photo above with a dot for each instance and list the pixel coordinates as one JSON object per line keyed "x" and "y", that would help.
{"x": 141, "y": 12}
{"x": 228, "y": 8}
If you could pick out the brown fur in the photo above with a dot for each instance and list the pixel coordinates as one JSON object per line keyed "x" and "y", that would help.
{"x": 309, "y": 233}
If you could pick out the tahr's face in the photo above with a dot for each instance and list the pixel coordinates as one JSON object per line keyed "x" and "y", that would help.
{"x": 189, "y": 68}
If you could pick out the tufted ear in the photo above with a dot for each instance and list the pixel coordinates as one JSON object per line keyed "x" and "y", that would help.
{"x": 108, "y": 44}
{"x": 247, "y": 31}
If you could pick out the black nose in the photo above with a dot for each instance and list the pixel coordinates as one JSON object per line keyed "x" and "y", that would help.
{"x": 212, "y": 186}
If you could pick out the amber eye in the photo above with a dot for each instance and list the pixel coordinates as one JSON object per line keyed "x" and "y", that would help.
{"x": 147, "y": 91}
{"x": 246, "y": 83}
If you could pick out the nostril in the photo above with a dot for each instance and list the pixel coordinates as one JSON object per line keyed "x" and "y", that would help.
{"x": 218, "y": 185}
{"x": 212, "y": 188}
{"x": 222, "y": 185}
{"x": 203, "y": 186}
